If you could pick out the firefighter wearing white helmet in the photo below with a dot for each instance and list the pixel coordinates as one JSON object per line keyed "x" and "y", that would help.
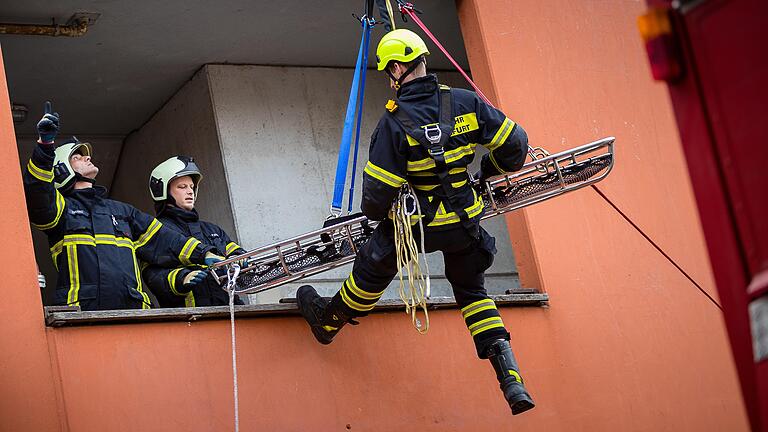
{"x": 173, "y": 186}
{"x": 427, "y": 138}
{"x": 95, "y": 242}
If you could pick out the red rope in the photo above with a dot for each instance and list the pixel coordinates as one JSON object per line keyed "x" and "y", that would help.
{"x": 408, "y": 9}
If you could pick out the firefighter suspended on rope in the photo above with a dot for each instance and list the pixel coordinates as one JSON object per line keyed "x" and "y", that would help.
{"x": 425, "y": 140}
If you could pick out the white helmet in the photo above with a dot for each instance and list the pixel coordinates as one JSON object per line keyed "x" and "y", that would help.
{"x": 64, "y": 176}
{"x": 163, "y": 174}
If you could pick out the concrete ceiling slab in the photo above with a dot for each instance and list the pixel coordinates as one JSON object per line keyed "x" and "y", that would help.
{"x": 139, "y": 53}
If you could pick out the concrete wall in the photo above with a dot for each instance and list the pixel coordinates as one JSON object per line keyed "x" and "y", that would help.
{"x": 185, "y": 125}
{"x": 630, "y": 341}
{"x": 280, "y": 129}
{"x": 267, "y": 139}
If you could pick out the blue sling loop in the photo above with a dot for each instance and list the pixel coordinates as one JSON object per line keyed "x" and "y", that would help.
{"x": 355, "y": 92}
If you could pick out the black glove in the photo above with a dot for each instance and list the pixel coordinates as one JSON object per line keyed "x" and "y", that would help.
{"x": 48, "y": 126}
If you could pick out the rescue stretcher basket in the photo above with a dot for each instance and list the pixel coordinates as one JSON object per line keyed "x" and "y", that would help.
{"x": 314, "y": 252}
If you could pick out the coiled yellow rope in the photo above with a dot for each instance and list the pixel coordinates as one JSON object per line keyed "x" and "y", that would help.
{"x": 404, "y": 208}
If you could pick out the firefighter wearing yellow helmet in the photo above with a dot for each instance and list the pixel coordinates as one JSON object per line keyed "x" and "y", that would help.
{"x": 95, "y": 241}
{"x": 427, "y": 138}
{"x": 173, "y": 186}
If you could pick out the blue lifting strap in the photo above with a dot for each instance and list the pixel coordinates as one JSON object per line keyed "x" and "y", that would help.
{"x": 367, "y": 32}
{"x": 346, "y": 135}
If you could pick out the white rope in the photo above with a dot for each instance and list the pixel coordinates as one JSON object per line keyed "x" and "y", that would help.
{"x": 408, "y": 257}
{"x": 231, "y": 280}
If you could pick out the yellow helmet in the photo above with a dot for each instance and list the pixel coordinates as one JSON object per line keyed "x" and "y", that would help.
{"x": 401, "y": 45}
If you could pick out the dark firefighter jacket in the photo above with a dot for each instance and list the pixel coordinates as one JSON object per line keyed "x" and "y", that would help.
{"x": 395, "y": 157}
{"x": 167, "y": 284}
{"x": 95, "y": 241}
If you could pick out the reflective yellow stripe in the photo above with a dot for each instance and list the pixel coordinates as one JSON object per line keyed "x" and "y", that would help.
{"x": 501, "y": 135}
{"x": 452, "y": 217}
{"x": 424, "y": 187}
{"x": 480, "y": 309}
{"x": 172, "y": 281}
{"x": 465, "y": 123}
{"x": 231, "y": 247}
{"x": 39, "y": 173}
{"x": 189, "y": 300}
{"x": 359, "y": 292}
{"x": 329, "y": 328}
{"x": 153, "y": 228}
{"x": 450, "y": 156}
{"x": 60, "y": 204}
{"x": 488, "y": 327}
{"x": 457, "y": 185}
{"x": 353, "y": 304}
{"x": 137, "y": 273}
{"x": 459, "y": 152}
{"x": 495, "y": 164}
{"x": 468, "y": 308}
{"x": 486, "y": 324}
{"x": 515, "y": 374}
{"x": 186, "y": 251}
{"x": 383, "y": 175}
{"x": 74, "y": 276}
{"x": 412, "y": 141}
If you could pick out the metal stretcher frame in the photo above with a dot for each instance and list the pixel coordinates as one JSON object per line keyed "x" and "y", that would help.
{"x": 321, "y": 250}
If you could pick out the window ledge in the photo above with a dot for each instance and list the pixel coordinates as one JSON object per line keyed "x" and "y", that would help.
{"x": 64, "y": 316}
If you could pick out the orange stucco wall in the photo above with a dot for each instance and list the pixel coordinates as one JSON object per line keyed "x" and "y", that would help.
{"x": 628, "y": 343}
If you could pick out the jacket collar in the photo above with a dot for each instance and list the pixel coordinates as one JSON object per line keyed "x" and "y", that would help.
{"x": 174, "y": 212}
{"x": 418, "y": 88}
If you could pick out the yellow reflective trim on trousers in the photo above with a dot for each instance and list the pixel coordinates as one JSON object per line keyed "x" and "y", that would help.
{"x": 484, "y": 322}
{"x": 480, "y": 309}
{"x": 383, "y": 175}
{"x": 485, "y": 328}
{"x": 457, "y": 185}
{"x": 359, "y": 292}
{"x": 465, "y": 123}
{"x": 153, "y": 228}
{"x": 73, "y": 295}
{"x": 501, "y": 135}
{"x": 473, "y": 305}
{"x": 39, "y": 173}
{"x": 353, "y": 304}
{"x": 186, "y": 251}
{"x": 60, "y": 204}
{"x": 231, "y": 247}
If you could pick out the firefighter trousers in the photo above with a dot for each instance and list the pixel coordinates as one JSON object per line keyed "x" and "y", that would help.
{"x": 466, "y": 259}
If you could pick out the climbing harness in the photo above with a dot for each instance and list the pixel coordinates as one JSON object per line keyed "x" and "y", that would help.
{"x": 544, "y": 177}
{"x": 404, "y": 209}
{"x": 317, "y": 251}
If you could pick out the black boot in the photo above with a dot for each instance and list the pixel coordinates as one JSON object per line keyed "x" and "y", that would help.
{"x": 325, "y": 317}
{"x": 503, "y": 361}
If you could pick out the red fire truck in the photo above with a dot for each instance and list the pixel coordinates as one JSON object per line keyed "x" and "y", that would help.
{"x": 708, "y": 52}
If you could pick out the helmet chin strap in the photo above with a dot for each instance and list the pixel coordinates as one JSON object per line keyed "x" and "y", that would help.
{"x": 80, "y": 178}
{"x": 407, "y": 72}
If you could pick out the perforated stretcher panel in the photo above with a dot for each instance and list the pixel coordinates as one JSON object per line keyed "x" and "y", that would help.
{"x": 321, "y": 250}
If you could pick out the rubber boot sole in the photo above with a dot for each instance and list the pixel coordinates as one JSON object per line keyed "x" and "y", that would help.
{"x": 518, "y": 398}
